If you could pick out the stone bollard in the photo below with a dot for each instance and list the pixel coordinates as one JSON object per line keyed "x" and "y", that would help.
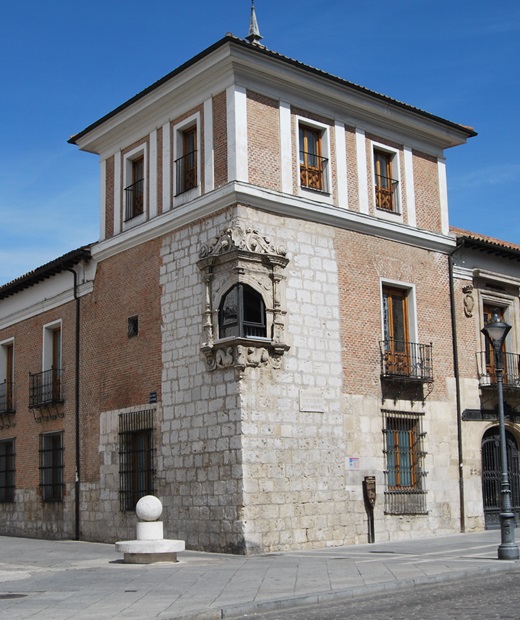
{"x": 150, "y": 546}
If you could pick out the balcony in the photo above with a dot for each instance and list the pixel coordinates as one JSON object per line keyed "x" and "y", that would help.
{"x": 134, "y": 200}
{"x": 386, "y": 194}
{"x": 45, "y": 388}
{"x": 312, "y": 169}
{"x": 486, "y": 370}
{"x": 186, "y": 172}
{"x": 6, "y": 397}
{"x": 406, "y": 361}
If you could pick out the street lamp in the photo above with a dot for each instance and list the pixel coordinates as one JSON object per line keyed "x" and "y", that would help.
{"x": 496, "y": 331}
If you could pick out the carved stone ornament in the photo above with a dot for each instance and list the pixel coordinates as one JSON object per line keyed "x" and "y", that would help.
{"x": 238, "y": 237}
{"x": 469, "y": 301}
{"x": 240, "y": 254}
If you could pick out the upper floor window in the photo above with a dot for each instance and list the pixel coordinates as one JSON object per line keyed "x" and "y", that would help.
{"x": 313, "y": 164}
{"x": 186, "y": 164}
{"x": 510, "y": 359}
{"x": 242, "y": 313}
{"x": 386, "y": 180}
{"x": 45, "y": 388}
{"x": 134, "y": 192}
{"x": 7, "y": 378}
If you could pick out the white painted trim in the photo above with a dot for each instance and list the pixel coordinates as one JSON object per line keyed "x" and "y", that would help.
{"x": 144, "y": 151}
{"x": 209, "y": 153}
{"x": 166, "y": 168}
{"x": 443, "y": 195}
{"x": 102, "y": 199}
{"x": 118, "y": 193}
{"x": 47, "y": 340}
{"x": 4, "y": 344}
{"x": 341, "y": 164}
{"x": 410, "y": 187}
{"x": 413, "y": 332}
{"x": 237, "y": 153}
{"x": 178, "y": 146}
{"x": 362, "y": 171}
{"x": 286, "y": 147}
{"x": 279, "y": 204}
{"x": 326, "y": 194}
{"x": 153, "y": 174}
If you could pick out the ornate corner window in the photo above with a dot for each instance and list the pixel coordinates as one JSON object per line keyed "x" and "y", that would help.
{"x": 245, "y": 307}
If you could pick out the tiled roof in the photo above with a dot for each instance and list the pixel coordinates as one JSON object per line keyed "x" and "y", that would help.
{"x": 261, "y": 49}
{"x": 484, "y": 241}
{"x": 45, "y": 271}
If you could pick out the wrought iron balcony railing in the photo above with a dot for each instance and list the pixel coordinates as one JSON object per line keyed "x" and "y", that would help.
{"x": 406, "y": 360}
{"x": 486, "y": 370}
{"x": 312, "y": 168}
{"x": 134, "y": 199}
{"x": 7, "y": 397}
{"x": 186, "y": 172}
{"x": 45, "y": 388}
{"x": 386, "y": 194}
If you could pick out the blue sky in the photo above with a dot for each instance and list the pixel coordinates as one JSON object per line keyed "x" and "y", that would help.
{"x": 66, "y": 63}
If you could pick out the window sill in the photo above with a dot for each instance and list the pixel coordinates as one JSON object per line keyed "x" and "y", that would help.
{"x": 187, "y": 196}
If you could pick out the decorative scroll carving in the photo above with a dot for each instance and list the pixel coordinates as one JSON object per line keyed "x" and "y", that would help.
{"x": 241, "y": 356}
{"x": 238, "y": 237}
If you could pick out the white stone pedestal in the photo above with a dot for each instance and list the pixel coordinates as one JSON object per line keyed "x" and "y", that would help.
{"x": 150, "y": 546}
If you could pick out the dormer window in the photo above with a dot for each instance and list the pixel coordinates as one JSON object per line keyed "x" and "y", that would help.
{"x": 242, "y": 313}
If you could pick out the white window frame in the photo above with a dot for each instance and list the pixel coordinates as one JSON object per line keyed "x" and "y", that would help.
{"x": 397, "y": 215}
{"x": 324, "y": 195}
{"x": 178, "y": 147}
{"x": 507, "y": 304}
{"x": 4, "y": 344}
{"x": 411, "y": 303}
{"x": 128, "y": 159}
{"x": 48, "y": 330}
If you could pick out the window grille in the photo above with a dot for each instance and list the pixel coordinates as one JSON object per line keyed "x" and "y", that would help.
{"x": 405, "y": 491}
{"x": 7, "y": 470}
{"x": 136, "y": 457}
{"x": 242, "y": 313}
{"x": 51, "y": 467}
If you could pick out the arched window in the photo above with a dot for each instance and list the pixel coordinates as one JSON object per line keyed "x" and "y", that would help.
{"x": 242, "y": 313}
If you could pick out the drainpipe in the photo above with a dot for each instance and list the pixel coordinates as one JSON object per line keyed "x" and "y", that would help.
{"x": 76, "y": 404}
{"x": 457, "y": 391}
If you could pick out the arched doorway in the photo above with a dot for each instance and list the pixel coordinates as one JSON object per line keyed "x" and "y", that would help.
{"x": 491, "y": 482}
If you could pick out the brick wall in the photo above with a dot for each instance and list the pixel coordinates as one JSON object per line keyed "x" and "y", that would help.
{"x": 220, "y": 139}
{"x": 263, "y": 140}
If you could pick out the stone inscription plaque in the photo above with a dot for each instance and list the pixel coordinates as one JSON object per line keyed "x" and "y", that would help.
{"x": 312, "y": 400}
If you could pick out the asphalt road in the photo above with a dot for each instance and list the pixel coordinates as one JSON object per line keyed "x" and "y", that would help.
{"x": 490, "y": 597}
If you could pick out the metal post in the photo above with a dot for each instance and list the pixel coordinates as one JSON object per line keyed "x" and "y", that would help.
{"x": 508, "y": 549}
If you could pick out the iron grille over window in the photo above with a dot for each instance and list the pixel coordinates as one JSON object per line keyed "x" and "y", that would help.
{"x": 136, "y": 457}
{"x": 45, "y": 388}
{"x": 134, "y": 204}
{"x": 404, "y": 473}
{"x": 406, "y": 360}
{"x": 7, "y": 470}
{"x": 51, "y": 467}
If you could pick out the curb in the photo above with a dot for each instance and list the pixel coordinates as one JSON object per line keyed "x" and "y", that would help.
{"x": 246, "y": 609}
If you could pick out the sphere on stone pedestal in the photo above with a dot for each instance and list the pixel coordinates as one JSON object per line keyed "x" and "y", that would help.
{"x": 148, "y": 508}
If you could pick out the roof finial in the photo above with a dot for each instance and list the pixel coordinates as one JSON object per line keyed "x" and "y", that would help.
{"x": 253, "y": 35}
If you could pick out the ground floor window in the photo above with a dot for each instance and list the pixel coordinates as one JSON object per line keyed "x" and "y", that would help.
{"x": 136, "y": 457}
{"x": 51, "y": 467}
{"x": 405, "y": 491}
{"x": 7, "y": 470}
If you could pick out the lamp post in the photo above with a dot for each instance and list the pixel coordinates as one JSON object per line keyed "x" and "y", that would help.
{"x": 496, "y": 331}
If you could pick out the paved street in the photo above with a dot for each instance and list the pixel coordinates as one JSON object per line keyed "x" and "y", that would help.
{"x": 472, "y": 598}
{"x": 62, "y": 580}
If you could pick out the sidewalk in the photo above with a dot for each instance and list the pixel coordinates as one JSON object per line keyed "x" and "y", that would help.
{"x": 66, "y": 579}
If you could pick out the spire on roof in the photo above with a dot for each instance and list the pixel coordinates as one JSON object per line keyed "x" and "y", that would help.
{"x": 253, "y": 35}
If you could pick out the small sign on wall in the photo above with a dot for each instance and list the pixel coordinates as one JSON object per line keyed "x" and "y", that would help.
{"x": 312, "y": 400}
{"x": 352, "y": 463}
